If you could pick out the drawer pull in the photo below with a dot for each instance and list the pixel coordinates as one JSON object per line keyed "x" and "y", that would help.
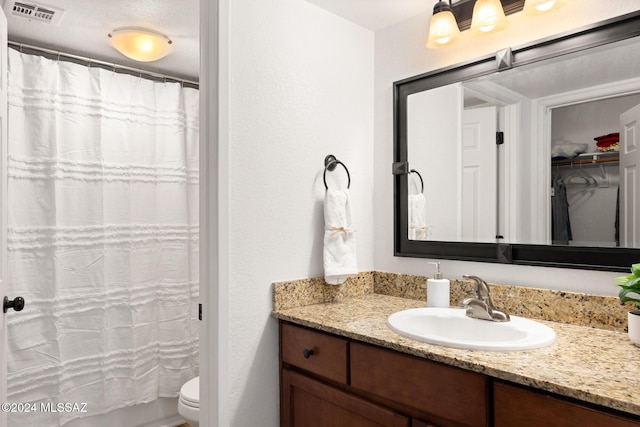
{"x": 307, "y": 353}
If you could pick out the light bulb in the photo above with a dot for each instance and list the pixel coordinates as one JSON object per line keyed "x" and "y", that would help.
{"x": 543, "y": 7}
{"x": 533, "y": 7}
{"x": 487, "y": 28}
{"x": 488, "y": 15}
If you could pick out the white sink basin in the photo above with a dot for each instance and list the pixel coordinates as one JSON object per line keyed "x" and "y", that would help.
{"x": 450, "y": 327}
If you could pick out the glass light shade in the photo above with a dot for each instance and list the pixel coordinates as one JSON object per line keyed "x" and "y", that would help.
{"x": 538, "y": 6}
{"x": 488, "y": 15}
{"x": 140, "y": 44}
{"x": 443, "y": 30}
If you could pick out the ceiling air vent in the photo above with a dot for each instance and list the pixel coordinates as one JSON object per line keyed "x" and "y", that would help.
{"x": 34, "y": 11}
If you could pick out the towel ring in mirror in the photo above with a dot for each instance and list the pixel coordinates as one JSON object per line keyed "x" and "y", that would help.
{"x": 419, "y": 176}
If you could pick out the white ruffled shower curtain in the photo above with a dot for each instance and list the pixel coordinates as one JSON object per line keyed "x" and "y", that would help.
{"x": 102, "y": 239}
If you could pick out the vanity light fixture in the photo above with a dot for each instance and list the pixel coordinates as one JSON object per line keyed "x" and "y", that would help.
{"x": 538, "y": 6}
{"x": 482, "y": 16}
{"x": 443, "y": 28}
{"x": 488, "y": 15}
{"x": 140, "y": 44}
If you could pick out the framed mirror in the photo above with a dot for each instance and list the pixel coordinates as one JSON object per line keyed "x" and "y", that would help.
{"x": 531, "y": 156}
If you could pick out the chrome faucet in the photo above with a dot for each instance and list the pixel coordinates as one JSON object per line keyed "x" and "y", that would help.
{"x": 481, "y": 306}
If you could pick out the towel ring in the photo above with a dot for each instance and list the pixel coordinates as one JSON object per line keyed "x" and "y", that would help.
{"x": 419, "y": 176}
{"x": 330, "y": 163}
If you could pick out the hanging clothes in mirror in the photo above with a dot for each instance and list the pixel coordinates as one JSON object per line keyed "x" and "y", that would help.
{"x": 560, "y": 222}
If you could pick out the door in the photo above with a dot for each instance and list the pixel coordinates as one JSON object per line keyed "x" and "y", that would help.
{"x": 479, "y": 175}
{"x": 629, "y": 197}
{"x": 3, "y": 210}
{"x": 434, "y": 133}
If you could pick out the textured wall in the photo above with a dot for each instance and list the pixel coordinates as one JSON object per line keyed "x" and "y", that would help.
{"x": 301, "y": 85}
{"x": 300, "y": 88}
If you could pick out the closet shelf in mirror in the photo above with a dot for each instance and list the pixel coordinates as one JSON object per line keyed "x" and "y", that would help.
{"x": 589, "y": 158}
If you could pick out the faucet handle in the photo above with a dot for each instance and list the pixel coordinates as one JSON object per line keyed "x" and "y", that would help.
{"x": 482, "y": 289}
{"x": 482, "y": 307}
{"x": 474, "y": 278}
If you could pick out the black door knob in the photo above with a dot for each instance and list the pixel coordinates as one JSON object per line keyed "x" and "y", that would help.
{"x": 17, "y": 304}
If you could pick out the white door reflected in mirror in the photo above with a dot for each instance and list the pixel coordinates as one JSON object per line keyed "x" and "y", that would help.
{"x": 630, "y": 178}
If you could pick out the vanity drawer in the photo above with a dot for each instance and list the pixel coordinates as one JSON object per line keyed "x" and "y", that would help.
{"x": 517, "y": 406}
{"x": 446, "y": 392}
{"x": 314, "y": 352}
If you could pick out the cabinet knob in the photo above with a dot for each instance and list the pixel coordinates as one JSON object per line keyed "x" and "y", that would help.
{"x": 307, "y": 353}
{"x": 17, "y": 304}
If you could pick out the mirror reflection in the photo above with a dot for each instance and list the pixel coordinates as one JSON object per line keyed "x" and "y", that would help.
{"x": 541, "y": 154}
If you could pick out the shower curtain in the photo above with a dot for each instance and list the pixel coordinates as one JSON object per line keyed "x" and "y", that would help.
{"x": 102, "y": 239}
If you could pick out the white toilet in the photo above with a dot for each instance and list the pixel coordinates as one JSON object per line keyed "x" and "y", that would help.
{"x": 189, "y": 401}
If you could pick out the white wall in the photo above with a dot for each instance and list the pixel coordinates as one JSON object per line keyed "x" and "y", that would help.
{"x": 297, "y": 83}
{"x": 300, "y": 87}
{"x": 400, "y": 53}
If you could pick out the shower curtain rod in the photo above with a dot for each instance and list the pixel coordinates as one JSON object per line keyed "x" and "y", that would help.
{"x": 83, "y": 60}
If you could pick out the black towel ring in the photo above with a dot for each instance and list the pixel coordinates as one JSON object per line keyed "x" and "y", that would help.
{"x": 419, "y": 176}
{"x": 330, "y": 163}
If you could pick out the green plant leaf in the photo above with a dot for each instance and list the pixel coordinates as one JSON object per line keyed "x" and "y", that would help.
{"x": 629, "y": 281}
{"x": 630, "y": 285}
{"x": 634, "y": 283}
{"x": 624, "y": 279}
{"x": 624, "y": 295}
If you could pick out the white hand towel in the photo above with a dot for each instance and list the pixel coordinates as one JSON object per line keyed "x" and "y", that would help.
{"x": 417, "y": 220}
{"x": 339, "y": 238}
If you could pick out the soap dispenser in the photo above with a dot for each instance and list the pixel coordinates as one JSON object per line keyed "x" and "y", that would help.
{"x": 437, "y": 289}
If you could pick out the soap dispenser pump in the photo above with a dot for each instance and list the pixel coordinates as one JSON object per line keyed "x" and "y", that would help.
{"x": 437, "y": 289}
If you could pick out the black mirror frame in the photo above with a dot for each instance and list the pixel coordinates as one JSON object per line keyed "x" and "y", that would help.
{"x": 579, "y": 257}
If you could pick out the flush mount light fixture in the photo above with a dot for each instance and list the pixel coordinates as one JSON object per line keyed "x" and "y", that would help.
{"x": 140, "y": 44}
{"x": 482, "y": 16}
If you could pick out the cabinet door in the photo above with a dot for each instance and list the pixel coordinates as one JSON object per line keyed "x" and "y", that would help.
{"x": 517, "y": 406}
{"x": 451, "y": 395}
{"x": 310, "y": 403}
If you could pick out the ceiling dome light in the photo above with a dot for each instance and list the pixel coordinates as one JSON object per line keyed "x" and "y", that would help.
{"x": 488, "y": 15}
{"x": 443, "y": 28}
{"x": 538, "y": 6}
{"x": 140, "y": 44}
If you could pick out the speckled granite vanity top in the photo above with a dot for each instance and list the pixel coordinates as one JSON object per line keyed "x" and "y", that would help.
{"x": 590, "y": 364}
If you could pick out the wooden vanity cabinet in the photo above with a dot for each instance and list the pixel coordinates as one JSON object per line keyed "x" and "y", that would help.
{"x": 332, "y": 381}
{"x": 329, "y": 381}
{"x": 524, "y": 407}
{"x": 306, "y": 401}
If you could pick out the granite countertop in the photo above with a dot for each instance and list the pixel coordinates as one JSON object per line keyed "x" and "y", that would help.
{"x": 589, "y": 364}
